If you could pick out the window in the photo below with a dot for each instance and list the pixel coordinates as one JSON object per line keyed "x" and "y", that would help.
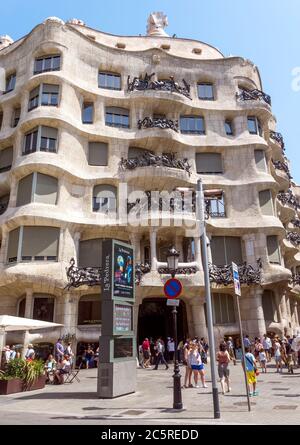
{"x": 21, "y": 309}
{"x": 4, "y": 200}
{"x": 41, "y": 139}
{"x": 10, "y": 82}
{"x": 50, "y": 94}
{"x": 43, "y": 308}
{"x": 98, "y": 153}
{"x": 117, "y": 117}
{"x": 273, "y": 250}
{"x": 109, "y": 81}
{"x": 37, "y": 187}
{"x": 33, "y": 243}
{"x": 229, "y": 127}
{"x": 192, "y": 125}
{"x": 260, "y": 160}
{"x": 214, "y": 201}
{"x": 48, "y": 139}
{"x": 6, "y": 159}
{"x": 225, "y": 249}
{"x": 209, "y": 163}
{"x": 90, "y": 253}
{"x": 87, "y": 113}
{"x": 254, "y": 126}
{"x": 265, "y": 202}
{"x": 269, "y": 306}
{"x": 46, "y": 63}
{"x": 1, "y": 119}
{"x": 223, "y": 309}
{"x": 89, "y": 310}
{"x": 16, "y": 117}
{"x": 105, "y": 199}
{"x": 206, "y": 91}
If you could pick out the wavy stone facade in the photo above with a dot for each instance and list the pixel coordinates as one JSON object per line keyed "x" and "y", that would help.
{"x": 64, "y": 137}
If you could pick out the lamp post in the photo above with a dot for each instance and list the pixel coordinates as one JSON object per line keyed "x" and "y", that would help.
{"x": 172, "y": 260}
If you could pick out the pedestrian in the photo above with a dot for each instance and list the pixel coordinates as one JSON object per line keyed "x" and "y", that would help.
{"x": 7, "y": 353}
{"x": 171, "y": 348}
{"x": 197, "y": 365}
{"x": 247, "y": 342}
{"x": 289, "y": 357}
{"x": 30, "y": 353}
{"x": 267, "y": 345}
{"x": 223, "y": 359}
{"x": 146, "y": 353}
{"x": 257, "y": 347}
{"x": 230, "y": 349}
{"x": 262, "y": 356}
{"x": 13, "y": 352}
{"x": 69, "y": 352}
{"x": 251, "y": 371}
{"x": 277, "y": 354}
{"x": 89, "y": 357}
{"x": 59, "y": 350}
{"x": 159, "y": 348}
{"x": 187, "y": 364}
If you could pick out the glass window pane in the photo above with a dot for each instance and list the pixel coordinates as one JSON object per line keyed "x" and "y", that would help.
{"x": 47, "y": 64}
{"x": 228, "y": 128}
{"x": 252, "y": 125}
{"x": 38, "y": 65}
{"x": 34, "y": 141}
{"x": 56, "y": 63}
{"x": 109, "y": 118}
{"x": 54, "y": 99}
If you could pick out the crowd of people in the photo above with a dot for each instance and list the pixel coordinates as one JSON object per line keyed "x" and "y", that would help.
{"x": 192, "y": 354}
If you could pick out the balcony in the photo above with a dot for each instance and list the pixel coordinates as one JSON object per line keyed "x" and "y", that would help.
{"x": 149, "y": 159}
{"x": 289, "y": 198}
{"x": 296, "y": 222}
{"x": 278, "y": 138}
{"x": 295, "y": 280}
{"x": 80, "y": 276}
{"x": 222, "y": 275}
{"x": 169, "y": 85}
{"x": 294, "y": 238}
{"x": 282, "y": 166}
{"x": 158, "y": 122}
{"x": 255, "y": 94}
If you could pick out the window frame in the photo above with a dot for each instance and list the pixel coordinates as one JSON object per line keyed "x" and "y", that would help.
{"x": 223, "y": 305}
{"x": 116, "y": 124}
{"x": 258, "y": 126}
{"x": 229, "y": 122}
{"x": 38, "y": 100}
{"x": 16, "y": 116}
{"x": 206, "y": 84}
{"x": 10, "y": 78}
{"x": 39, "y": 138}
{"x": 114, "y": 76}
{"x": 194, "y": 118}
{"x": 85, "y": 105}
{"x": 43, "y": 59}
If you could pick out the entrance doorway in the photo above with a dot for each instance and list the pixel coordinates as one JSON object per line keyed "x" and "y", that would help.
{"x": 156, "y": 320}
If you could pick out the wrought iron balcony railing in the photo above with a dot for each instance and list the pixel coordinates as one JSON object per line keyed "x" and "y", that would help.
{"x": 80, "y": 276}
{"x": 278, "y": 138}
{"x": 282, "y": 166}
{"x": 158, "y": 122}
{"x": 254, "y": 95}
{"x": 294, "y": 238}
{"x": 222, "y": 275}
{"x": 296, "y": 222}
{"x": 295, "y": 280}
{"x": 186, "y": 270}
{"x": 288, "y": 198}
{"x": 149, "y": 159}
{"x": 146, "y": 83}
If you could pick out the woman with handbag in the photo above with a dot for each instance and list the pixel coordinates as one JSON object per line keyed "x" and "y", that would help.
{"x": 251, "y": 371}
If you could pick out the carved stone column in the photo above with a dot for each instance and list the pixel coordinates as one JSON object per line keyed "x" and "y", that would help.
{"x": 29, "y": 303}
{"x": 199, "y": 322}
{"x": 153, "y": 240}
{"x": 135, "y": 239}
{"x": 198, "y": 256}
{"x": 252, "y": 313}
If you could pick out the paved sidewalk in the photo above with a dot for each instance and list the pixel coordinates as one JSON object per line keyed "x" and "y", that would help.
{"x": 278, "y": 402}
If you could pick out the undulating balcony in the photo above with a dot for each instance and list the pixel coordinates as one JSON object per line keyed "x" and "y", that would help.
{"x": 222, "y": 275}
{"x": 158, "y": 122}
{"x": 148, "y": 159}
{"x": 294, "y": 238}
{"x": 296, "y": 222}
{"x": 255, "y": 94}
{"x": 295, "y": 280}
{"x": 283, "y": 166}
{"x": 169, "y": 85}
{"x": 289, "y": 198}
{"x": 277, "y": 137}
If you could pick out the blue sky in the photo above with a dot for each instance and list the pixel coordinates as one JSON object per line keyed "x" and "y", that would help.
{"x": 266, "y": 32}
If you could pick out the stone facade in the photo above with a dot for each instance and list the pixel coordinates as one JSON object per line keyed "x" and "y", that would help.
{"x": 235, "y": 131}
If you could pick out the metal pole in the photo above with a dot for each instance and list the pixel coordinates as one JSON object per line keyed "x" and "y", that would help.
{"x": 243, "y": 351}
{"x": 177, "y": 399}
{"x": 211, "y": 339}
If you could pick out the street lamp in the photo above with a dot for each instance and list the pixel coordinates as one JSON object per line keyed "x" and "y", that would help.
{"x": 172, "y": 260}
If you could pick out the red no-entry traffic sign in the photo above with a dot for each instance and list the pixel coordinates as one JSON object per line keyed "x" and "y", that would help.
{"x": 172, "y": 288}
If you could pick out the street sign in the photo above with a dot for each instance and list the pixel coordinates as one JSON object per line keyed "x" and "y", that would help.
{"x": 236, "y": 280}
{"x": 172, "y": 302}
{"x": 172, "y": 288}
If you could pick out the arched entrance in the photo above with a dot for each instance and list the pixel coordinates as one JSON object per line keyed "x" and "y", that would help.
{"x": 156, "y": 320}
